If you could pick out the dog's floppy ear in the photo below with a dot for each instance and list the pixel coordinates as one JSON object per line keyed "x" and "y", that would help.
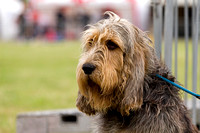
{"x": 83, "y": 105}
{"x": 135, "y": 63}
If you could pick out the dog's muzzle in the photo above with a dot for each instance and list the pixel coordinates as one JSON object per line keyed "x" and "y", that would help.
{"x": 88, "y": 68}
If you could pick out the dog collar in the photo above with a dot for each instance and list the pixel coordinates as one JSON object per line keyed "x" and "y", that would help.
{"x": 178, "y": 86}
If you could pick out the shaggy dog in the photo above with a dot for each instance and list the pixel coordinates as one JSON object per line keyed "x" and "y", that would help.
{"x": 117, "y": 81}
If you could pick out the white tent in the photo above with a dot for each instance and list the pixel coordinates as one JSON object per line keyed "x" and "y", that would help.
{"x": 9, "y": 11}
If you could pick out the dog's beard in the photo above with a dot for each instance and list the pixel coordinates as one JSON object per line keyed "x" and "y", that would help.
{"x": 102, "y": 79}
{"x": 88, "y": 84}
{"x": 93, "y": 86}
{"x": 90, "y": 87}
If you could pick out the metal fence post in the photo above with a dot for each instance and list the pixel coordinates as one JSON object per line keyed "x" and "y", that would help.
{"x": 157, "y": 26}
{"x": 195, "y": 34}
{"x": 168, "y": 32}
{"x": 176, "y": 37}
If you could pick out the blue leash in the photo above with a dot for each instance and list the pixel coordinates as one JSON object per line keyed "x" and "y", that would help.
{"x": 178, "y": 86}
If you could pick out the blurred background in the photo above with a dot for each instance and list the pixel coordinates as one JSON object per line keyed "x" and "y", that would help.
{"x": 40, "y": 48}
{"x": 55, "y": 20}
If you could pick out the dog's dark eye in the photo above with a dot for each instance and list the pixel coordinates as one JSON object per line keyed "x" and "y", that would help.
{"x": 111, "y": 45}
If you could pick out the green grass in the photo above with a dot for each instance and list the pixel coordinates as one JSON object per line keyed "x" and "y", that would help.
{"x": 41, "y": 76}
{"x": 36, "y": 76}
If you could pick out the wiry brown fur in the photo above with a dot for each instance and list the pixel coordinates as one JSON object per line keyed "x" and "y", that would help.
{"x": 123, "y": 89}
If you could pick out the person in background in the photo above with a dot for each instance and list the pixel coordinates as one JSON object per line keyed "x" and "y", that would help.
{"x": 61, "y": 24}
{"x": 21, "y": 21}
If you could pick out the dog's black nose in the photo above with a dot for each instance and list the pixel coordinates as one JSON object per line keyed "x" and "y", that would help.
{"x": 88, "y": 68}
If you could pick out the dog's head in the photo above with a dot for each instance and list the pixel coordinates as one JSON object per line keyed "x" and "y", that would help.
{"x": 110, "y": 74}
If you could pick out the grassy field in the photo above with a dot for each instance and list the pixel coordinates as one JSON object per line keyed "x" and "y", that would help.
{"x": 41, "y": 76}
{"x": 36, "y": 76}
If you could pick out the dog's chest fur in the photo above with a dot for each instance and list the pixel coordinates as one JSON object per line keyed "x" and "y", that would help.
{"x": 162, "y": 112}
{"x": 138, "y": 122}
